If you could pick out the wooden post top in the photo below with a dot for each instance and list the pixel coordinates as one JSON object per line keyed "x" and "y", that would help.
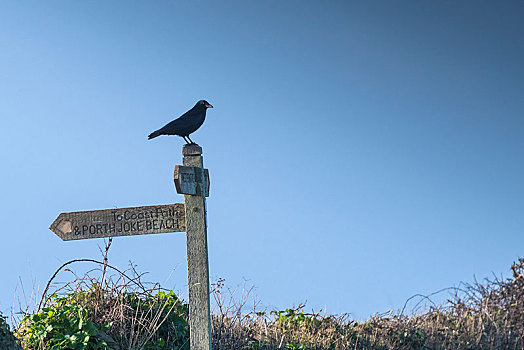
{"x": 191, "y": 149}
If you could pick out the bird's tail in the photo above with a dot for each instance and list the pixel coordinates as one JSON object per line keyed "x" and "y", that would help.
{"x": 154, "y": 134}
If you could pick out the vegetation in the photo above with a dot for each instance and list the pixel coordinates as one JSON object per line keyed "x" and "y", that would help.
{"x": 7, "y": 340}
{"x": 480, "y": 316}
{"x": 61, "y": 326}
{"x": 106, "y": 313}
{"x": 117, "y": 311}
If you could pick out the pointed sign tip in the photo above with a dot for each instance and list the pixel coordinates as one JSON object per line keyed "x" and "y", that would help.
{"x": 61, "y": 227}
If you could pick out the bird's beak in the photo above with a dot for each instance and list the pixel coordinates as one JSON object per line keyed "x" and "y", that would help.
{"x": 209, "y": 106}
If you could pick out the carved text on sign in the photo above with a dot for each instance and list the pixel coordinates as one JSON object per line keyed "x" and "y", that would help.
{"x": 120, "y": 222}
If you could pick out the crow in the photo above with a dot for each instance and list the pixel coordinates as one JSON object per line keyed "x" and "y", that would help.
{"x": 186, "y": 124}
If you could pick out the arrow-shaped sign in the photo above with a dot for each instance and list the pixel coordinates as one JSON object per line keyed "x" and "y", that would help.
{"x": 120, "y": 222}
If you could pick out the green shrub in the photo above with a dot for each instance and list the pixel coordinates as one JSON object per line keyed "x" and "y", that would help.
{"x": 61, "y": 326}
{"x": 7, "y": 340}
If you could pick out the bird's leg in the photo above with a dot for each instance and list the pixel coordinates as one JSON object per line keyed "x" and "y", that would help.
{"x": 191, "y": 140}
{"x": 187, "y": 142}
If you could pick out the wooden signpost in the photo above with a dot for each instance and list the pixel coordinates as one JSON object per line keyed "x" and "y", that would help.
{"x": 197, "y": 259}
{"x": 192, "y": 180}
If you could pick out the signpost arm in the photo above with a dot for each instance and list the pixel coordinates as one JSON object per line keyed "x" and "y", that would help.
{"x": 197, "y": 257}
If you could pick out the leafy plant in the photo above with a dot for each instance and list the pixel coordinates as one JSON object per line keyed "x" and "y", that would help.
{"x": 61, "y": 326}
{"x": 295, "y": 317}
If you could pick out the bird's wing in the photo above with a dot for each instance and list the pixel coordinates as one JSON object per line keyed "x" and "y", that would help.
{"x": 189, "y": 115}
{"x": 183, "y": 121}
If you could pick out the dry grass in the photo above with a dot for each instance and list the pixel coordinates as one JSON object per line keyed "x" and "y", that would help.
{"x": 488, "y": 315}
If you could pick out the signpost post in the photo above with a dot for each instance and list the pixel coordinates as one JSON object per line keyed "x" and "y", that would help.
{"x": 192, "y": 180}
{"x": 196, "y": 236}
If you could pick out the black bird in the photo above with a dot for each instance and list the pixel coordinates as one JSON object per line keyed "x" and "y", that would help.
{"x": 186, "y": 124}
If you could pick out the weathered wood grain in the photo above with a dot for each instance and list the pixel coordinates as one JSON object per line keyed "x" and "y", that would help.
{"x": 120, "y": 222}
{"x": 191, "y": 150}
{"x": 197, "y": 256}
{"x": 188, "y": 178}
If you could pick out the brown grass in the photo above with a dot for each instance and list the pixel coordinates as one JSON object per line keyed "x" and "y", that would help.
{"x": 488, "y": 315}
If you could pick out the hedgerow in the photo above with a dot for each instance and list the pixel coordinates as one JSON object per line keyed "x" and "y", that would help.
{"x": 103, "y": 310}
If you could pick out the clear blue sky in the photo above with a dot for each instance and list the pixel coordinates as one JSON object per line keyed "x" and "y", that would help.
{"x": 360, "y": 151}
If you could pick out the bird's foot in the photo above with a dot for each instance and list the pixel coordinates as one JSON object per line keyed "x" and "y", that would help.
{"x": 189, "y": 138}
